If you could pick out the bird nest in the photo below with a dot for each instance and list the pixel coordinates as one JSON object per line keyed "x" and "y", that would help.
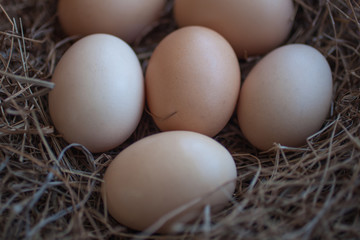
{"x": 50, "y": 189}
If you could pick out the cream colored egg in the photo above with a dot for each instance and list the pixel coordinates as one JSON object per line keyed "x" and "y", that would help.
{"x": 98, "y": 97}
{"x": 123, "y": 18}
{"x": 252, "y": 27}
{"x": 168, "y": 177}
{"x": 193, "y": 81}
{"x": 286, "y": 97}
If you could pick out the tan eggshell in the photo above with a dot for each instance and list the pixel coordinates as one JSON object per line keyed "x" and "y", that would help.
{"x": 193, "y": 81}
{"x": 286, "y": 97}
{"x": 123, "y": 18}
{"x": 98, "y": 97}
{"x": 251, "y": 27}
{"x": 163, "y": 172}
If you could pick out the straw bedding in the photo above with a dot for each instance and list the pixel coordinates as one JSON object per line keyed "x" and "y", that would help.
{"x": 50, "y": 190}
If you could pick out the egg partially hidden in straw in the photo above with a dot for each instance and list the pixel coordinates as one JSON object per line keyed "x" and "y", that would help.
{"x": 252, "y": 27}
{"x": 165, "y": 180}
{"x": 127, "y": 19}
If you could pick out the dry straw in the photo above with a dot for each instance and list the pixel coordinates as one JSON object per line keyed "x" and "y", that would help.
{"x": 49, "y": 190}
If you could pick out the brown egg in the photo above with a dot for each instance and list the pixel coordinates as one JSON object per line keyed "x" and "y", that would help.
{"x": 98, "y": 97}
{"x": 286, "y": 97}
{"x": 157, "y": 176}
{"x": 251, "y": 27}
{"x": 192, "y": 81}
{"x": 123, "y": 18}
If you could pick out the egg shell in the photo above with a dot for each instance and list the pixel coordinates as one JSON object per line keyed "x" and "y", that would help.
{"x": 123, "y": 18}
{"x": 98, "y": 98}
{"x": 251, "y": 27}
{"x": 161, "y": 173}
{"x": 286, "y": 97}
{"x": 193, "y": 81}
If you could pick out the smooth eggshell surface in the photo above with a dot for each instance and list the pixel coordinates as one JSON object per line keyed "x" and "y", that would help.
{"x": 251, "y": 27}
{"x": 156, "y": 176}
{"x": 193, "y": 81}
{"x": 286, "y": 97}
{"x": 123, "y": 18}
{"x": 98, "y": 97}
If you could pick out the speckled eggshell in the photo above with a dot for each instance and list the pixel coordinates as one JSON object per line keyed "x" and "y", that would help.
{"x": 98, "y": 98}
{"x": 252, "y": 27}
{"x": 286, "y": 97}
{"x": 123, "y": 18}
{"x": 193, "y": 81}
{"x": 169, "y": 176}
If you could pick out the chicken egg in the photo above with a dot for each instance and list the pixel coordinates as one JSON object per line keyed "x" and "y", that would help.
{"x": 252, "y": 27}
{"x": 168, "y": 177}
{"x": 123, "y": 18}
{"x": 193, "y": 81}
{"x": 98, "y": 98}
{"x": 286, "y": 97}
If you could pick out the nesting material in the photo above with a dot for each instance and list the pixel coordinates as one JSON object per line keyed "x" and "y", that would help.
{"x": 51, "y": 190}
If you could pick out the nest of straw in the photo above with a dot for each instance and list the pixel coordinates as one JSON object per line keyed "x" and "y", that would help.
{"x": 50, "y": 190}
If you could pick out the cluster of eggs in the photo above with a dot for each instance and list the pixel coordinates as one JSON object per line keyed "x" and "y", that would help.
{"x": 191, "y": 88}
